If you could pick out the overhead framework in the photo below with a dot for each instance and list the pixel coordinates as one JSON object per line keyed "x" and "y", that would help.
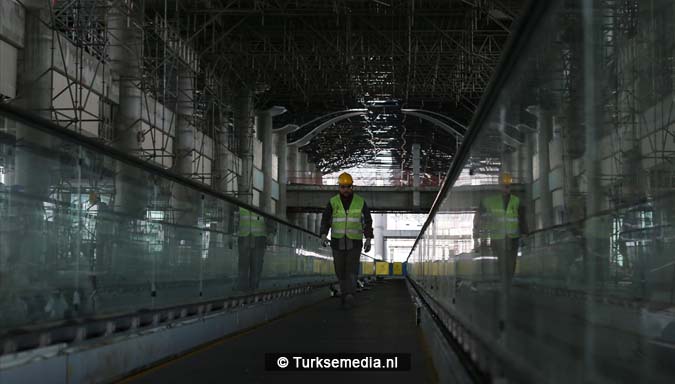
{"x": 186, "y": 60}
{"x": 320, "y": 57}
{"x": 103, "y": 57}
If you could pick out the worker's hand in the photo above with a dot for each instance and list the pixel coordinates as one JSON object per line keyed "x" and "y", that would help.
{"x": 366, "y": 246}
{"x": 324, "y": 240}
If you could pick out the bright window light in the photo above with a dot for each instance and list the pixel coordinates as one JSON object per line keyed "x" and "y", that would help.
{"x": 155, "y": 215}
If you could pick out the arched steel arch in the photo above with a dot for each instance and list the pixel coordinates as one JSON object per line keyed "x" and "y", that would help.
{"x": 323, "y": 126}
{"x": 432, "y": 117}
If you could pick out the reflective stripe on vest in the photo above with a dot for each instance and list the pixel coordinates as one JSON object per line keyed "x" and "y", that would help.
{"x": 347, "y": 223}
{"x": 250, "y": 224}
{"x": 502, "y": 223}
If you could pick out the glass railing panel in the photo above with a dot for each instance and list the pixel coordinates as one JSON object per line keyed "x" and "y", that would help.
{"x": 87, "y": 232}
{"x": 575, "y": 281}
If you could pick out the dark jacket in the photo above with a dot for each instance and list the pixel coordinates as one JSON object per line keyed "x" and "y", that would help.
{"x": 366, "y": 219}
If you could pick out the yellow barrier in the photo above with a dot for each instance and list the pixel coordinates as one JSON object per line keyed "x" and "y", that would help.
{"x": 398, "y": 269}
{"x": 367, "y": 268}
{"x": 382, "y": 268}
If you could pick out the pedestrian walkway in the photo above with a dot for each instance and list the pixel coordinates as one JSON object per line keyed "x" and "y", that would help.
{"x": 383, "y": 321}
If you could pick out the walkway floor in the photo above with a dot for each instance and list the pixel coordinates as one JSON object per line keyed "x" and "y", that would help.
{"x": 383, "y": 321}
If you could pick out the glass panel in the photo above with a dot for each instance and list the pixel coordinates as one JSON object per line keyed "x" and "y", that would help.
{"x": 85, "y": 234}
{"x": 570, "y": 276}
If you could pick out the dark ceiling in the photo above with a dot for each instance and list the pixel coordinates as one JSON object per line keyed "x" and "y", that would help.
{"x": 321, "y": 56}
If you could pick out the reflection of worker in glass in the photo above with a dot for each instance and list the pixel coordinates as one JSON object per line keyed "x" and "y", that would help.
{"x": 501, "y": 218}
{"x": 254, "y": 234}
{"x": 103, "y": 233}
{"x": 349, "y": 218}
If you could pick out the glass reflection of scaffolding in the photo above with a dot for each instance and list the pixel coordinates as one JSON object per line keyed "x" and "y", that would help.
{"x": 639, "y": 117}
{"x": 87, "y": 38}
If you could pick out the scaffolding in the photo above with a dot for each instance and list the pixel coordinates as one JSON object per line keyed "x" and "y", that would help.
{"x": 88, "y": 43}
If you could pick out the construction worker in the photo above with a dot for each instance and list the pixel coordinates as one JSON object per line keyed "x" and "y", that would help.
{"x": 501, "y": 218}
{"x": 103, "y": 233}
{"x": 255, "y": 233}
{"x": 349, "y": 218}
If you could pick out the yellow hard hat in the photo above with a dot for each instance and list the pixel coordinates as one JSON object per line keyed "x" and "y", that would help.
{"x": 506, "y": 178}
{"x": 345, "y": 179}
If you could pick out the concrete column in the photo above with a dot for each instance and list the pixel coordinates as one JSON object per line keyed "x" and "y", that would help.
{"x": 282, "y": 155}
{"x": 596, "y": 228}
{"x": 544, "y": 128}
{"x": 220, "y": 175}
{"x": 416, "y": 175}
{"x": 303, "y": 166}
{"x": 317, "y": 226}
{"x": 132, "y": 191}
{"x": 35, "y": 90}
{"x": 299, "y": 167}
{"x": 187, "y": 202}
{"x": 223, "y": 159}
{"x": 243, "y": 125}
{"x": 311, "y": 224}
{"x": 35, "y": 95}
{"x": 292, "y": 164}
{"x": 311, "y": 172}
{"x": 379, "y": 226}
{"x": 24, "y": 253}
{"x": 185, "y": 142}
{"x": 125, "y": 59}
{"x": 263, "y": 123}
{"x": 304, "y": 220}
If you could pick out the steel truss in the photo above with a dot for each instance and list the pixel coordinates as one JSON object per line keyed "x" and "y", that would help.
{"x": 325, "y": 56}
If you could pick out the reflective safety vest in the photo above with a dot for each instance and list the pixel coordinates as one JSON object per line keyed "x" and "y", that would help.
{"x": 250, "y": 224}
{"x": 501, "y": 223}
{"x": 347, "y": 223}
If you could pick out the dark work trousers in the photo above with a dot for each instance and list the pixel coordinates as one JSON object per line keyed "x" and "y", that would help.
{"x": 103, "y": 253}
{"x": 347, "y": 268}
{"x": 507, "y": 253}
{"x": 251, "y": 254}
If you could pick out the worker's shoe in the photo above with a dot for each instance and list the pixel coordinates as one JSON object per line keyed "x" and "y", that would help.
{"x": 349, "y": 301}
